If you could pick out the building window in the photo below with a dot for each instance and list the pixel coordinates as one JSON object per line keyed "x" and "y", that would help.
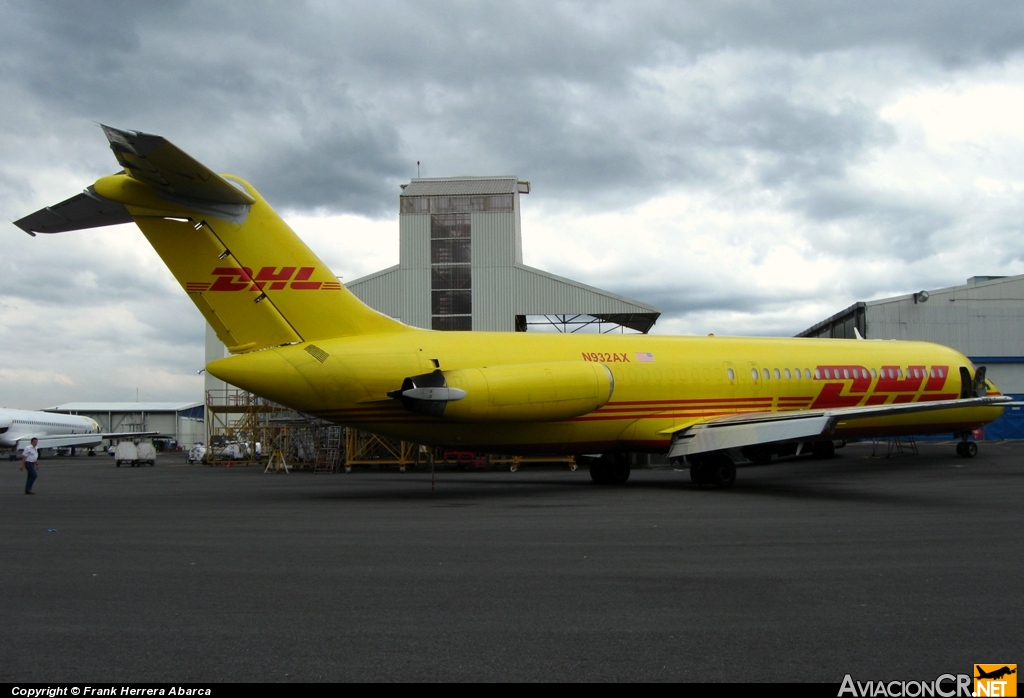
{"x": 455, "y": 204}
{"x": 451, "y": 278}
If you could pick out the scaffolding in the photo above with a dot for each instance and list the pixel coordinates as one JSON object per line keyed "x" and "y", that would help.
{"x": 246, "y": 429}
{"x": 364, "y": 448}
{"x": 235, "y": 423}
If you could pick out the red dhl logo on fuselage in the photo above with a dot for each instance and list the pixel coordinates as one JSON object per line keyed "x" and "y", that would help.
{"x": 890, "y": 384}
{"x": 268, "y": 278}
{"x": 891, "y": 381}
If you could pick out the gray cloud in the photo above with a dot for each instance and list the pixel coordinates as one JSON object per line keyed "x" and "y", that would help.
{"x": 749, "y": 107}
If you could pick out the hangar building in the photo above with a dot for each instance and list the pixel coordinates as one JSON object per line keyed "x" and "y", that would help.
{"x": 984, "y": 319}
{"x": 461, "y": 267}
{"x": 181, "y": 421}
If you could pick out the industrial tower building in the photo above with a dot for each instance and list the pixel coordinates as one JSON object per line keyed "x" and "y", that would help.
{"x": 461, "y": 267}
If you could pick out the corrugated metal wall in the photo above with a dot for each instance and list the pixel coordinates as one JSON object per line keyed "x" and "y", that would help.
{"x": 981, "y": 320}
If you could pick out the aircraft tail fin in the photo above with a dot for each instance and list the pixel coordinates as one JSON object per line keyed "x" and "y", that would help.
{"x": 254, "y": 280}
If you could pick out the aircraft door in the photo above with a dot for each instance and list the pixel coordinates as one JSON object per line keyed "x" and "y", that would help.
{"x": 731, "y": 378}
{"x": 753, "y": 377}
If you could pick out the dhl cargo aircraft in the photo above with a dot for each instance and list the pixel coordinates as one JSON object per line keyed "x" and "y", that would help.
{"x": 300, "y": 338}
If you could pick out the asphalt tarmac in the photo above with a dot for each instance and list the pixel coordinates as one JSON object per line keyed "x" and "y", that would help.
{"x": 885, "y": 569}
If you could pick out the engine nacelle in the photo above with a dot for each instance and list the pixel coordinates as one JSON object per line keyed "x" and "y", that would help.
{"x": 515, "y": 393}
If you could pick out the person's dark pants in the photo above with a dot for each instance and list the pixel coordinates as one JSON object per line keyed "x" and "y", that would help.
{"x": 32, "y": 475}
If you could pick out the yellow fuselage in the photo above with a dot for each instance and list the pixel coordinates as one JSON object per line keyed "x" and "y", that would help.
{"x": 657, "y": 383}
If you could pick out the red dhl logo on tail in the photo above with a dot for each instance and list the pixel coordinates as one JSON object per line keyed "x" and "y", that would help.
{"x": 268, "y": 278}
{"x": 891, "y": 380}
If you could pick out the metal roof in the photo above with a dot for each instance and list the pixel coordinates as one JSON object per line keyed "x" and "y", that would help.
{"x": 123, "y": 407}
{"x": 461, "y": 186}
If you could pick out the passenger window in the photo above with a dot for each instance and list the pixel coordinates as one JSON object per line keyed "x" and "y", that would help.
{"x": 777, "y": 374}
{"x": 753, "y": 374}
{"x": 731, "y": 374}
{"x": 767, "y": 375}
{"x": 788, "y": 376}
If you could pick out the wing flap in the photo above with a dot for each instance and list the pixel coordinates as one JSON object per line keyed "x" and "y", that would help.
{"x": 749, "y": 429}
{"x": 718, "y": 435}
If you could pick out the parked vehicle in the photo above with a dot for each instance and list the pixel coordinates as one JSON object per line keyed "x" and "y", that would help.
{"x": 125, "y": 453}
{"x": 146, "y": 454}
{"x": 128, "y": 453}
{"x": 197, "y": 453}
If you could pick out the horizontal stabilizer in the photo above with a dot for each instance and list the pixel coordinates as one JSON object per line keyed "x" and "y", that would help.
{"x": 85, "y": 210}
{"x": 156, "y": 161}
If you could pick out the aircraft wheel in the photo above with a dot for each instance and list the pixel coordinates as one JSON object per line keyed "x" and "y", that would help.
{"x": 610, "y": 470}
{"x": 698, "y": 473}
{"x": 619, "y": 471}
{"x": 759, "y": 455}
{"x": 723, "y": 472}
{"x": 970, "y": 449}
{"x": 823, "y": 449}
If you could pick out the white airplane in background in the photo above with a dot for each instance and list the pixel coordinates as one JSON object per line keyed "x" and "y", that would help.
{"x": 19, "y": 427}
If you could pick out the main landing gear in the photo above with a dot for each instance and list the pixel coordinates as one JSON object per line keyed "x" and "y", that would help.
{"x": 715, "y": 468}
{"x": 966, "y": 449}
{"x": 610, "y": 469}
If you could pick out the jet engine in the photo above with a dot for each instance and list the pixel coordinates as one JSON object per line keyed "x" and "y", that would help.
{"x": 518, "y": 392}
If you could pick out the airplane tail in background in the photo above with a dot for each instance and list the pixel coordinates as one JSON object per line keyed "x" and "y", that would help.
{"x": 254, "y": 280}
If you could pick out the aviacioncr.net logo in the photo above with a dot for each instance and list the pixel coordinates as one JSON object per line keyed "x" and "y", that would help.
{"x": 945, "y": 686}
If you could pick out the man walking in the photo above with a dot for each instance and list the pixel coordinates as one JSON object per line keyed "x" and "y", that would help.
{"x": 29, "y": 456}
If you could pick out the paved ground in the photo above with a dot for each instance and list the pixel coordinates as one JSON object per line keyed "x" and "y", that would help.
{"x": 885, "y": 569}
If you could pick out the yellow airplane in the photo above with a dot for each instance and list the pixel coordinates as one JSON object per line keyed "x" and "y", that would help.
{"x": 300, "y": 338}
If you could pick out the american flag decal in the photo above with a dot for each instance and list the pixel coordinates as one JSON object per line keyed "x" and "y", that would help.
{"x": 645, "y": 357}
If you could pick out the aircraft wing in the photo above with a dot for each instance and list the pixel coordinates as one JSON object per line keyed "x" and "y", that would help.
{"x": 750, "y": 429}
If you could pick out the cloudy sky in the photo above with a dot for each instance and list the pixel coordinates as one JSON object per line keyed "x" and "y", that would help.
{"x": 750, "y": 167}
